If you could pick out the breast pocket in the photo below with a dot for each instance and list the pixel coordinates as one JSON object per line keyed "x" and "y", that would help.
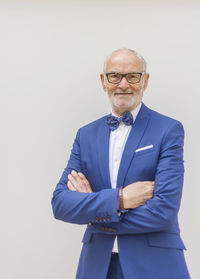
{"x": 140, "y": 151}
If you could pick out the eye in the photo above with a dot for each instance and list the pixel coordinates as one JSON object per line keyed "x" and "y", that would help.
{"x": 114, "y": 75}
{"x": 133, "y": 76}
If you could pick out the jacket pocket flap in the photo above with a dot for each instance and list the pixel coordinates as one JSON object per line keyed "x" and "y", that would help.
{"x": 166, "y": 240}
{"x": 87, "y": 237}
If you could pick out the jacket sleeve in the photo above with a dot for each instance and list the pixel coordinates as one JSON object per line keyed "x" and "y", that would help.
{"x": 82, "y": 208}
{"x": 160, "y": 212}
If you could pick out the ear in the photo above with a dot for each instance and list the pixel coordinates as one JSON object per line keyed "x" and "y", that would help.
{"x": 146, "y": 80}
{"x": 102, "y": 81}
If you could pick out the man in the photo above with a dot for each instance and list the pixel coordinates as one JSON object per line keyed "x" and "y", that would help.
{"x": 124, "y": 179}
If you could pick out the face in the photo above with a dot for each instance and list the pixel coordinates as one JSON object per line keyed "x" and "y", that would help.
{"x": 124, "y": 96}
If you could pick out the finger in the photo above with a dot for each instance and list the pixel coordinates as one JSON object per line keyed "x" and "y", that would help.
{"x": 78, "y": 181}
{"x": 74, "y": 182}
{"x": 84, "y": 179}
{"x": 70, "y": 186}
{"x": 87, "y": 187}
{"x": 149, "y": 196}
{"x": 150, "y": 183}
{"x": 85, "y": 182}
{"x": 81, "y": 175}
{"x": 74, "y": 186}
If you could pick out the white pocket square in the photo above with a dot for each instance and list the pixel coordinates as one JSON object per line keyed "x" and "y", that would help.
{"x": 144, "y": 148}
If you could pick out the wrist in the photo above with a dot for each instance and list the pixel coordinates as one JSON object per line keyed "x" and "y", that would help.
{"x": 121, "y": 199}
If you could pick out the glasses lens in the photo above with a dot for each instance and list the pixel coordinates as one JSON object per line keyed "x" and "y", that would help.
{"x": 114, "y": 77}
{"x": 133, "y": 77}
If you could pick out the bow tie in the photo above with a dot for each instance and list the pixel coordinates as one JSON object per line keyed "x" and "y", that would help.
{"x": 113, "y": 121}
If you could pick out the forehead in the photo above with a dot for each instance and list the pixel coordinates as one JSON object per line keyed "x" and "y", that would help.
{"x": 124, "y": 62}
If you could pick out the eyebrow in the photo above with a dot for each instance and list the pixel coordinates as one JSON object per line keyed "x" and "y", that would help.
{"x": 115, "y": 72}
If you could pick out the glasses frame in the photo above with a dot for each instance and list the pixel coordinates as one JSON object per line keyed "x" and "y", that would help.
{"x": 125, "y": 75}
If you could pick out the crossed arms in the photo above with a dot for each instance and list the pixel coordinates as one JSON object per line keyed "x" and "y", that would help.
{"x": 134, "y": 195}
{"x": 153, "y": 206}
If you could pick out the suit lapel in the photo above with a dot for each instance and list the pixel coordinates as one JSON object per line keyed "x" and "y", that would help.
{"x": 132, "y": 143}
{"x": 103, "y": 137}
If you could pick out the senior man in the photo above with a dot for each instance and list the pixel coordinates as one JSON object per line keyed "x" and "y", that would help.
{"x": 124, "y": 180}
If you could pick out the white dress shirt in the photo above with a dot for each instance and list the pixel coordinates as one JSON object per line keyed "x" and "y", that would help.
{"x": 117, "y": 143}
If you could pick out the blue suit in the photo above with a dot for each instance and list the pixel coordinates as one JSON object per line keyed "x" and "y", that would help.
{"x": 149, "y": 242}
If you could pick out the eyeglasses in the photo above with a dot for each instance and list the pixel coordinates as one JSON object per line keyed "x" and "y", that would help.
{"x": 130, "y": 77}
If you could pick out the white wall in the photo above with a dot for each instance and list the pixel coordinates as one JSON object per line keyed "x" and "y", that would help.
{"x": 51, "y": 54}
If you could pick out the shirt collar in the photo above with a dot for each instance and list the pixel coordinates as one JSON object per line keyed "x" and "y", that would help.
{"x": 134, "y": 112}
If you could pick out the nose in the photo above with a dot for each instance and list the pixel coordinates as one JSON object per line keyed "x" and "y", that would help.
{"x": 123, "y": 84}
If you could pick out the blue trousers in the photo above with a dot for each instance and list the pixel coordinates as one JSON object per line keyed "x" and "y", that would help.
{"x": 115, "y": 271}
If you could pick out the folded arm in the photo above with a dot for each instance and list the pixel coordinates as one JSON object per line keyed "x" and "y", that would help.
{"x": 81, "y": 207}
{"x": 158, "y": 213}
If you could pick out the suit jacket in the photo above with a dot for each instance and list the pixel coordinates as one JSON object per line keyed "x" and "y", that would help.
{"x": 149, "y": 242}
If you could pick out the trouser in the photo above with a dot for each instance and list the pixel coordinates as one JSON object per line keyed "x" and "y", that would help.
{"x": 115, "y": 271}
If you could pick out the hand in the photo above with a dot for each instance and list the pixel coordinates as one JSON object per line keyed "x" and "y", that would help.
{"x": 78, "y": 182}
{"x": 136, "y": 194}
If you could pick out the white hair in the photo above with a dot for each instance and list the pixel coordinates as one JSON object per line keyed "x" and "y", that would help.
{"x": 126, "y": 49}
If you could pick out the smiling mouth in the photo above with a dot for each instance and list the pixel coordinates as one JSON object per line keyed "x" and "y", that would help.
{"x": 123, "y": 94}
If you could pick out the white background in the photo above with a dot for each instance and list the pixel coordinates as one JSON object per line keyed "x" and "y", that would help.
{"x": 51, "y": 55}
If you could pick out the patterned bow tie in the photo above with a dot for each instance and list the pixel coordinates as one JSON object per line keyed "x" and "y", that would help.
{"x": 113, "y": 121}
